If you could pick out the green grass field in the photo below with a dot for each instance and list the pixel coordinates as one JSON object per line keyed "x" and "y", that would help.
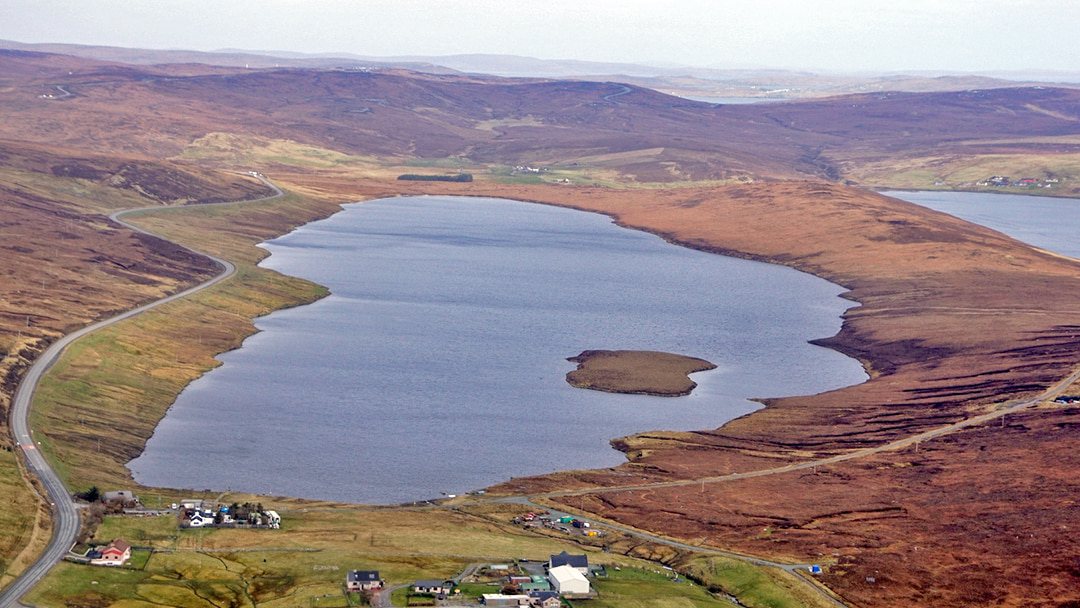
{"x": 650, "y": 586}
{"x": 18, "y": 511}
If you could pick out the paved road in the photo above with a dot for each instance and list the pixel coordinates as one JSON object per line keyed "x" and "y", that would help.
{"x": 611, "y": 98}
{"x": 381, "y": 599}
{"x": 65, "y": 514}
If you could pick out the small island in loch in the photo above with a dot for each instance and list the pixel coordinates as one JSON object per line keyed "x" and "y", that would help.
{"x": 638, "y": 372}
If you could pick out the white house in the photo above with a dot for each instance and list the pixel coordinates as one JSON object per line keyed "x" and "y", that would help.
{"x": 199, "y": 519}
{"x": 567, "y": 580}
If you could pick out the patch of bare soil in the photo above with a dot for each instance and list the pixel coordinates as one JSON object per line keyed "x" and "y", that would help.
{"x": 640, "y": 372}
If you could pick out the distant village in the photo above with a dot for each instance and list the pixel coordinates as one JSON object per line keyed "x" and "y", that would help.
{"x": 537, "y": 584}
{"x": 1002, "y": 181}
{"x": 516, "y": 583}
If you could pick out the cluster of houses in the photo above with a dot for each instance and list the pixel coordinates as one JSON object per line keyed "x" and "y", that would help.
{"x": 195, "y": 513}
{"x": 527, "y": 169}
{"x": 1001, "y": 181}
{"x": 565, "y": 575}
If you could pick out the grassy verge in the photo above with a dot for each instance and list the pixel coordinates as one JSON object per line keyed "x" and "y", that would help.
{"x": 19, "y": 513}
{"x": 132, "y": 371}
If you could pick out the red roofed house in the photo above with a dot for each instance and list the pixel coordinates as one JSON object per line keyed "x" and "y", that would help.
{"x": 114, "y": 554}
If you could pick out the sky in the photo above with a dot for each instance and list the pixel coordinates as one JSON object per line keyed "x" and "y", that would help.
{"x": 823, "y": 35}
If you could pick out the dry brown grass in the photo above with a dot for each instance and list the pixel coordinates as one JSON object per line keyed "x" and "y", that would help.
{"x": 636, "y": 372}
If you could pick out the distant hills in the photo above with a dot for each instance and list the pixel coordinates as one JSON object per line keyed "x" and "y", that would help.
{"x": 685, "y": 81}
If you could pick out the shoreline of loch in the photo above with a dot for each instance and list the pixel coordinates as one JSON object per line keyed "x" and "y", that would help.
{"x": 922, "y": 380}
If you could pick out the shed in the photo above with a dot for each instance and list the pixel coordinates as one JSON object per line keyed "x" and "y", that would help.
{"x": 498, "y": 599}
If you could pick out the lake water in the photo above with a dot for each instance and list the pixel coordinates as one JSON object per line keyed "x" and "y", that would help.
{"x": 438, "y": 362}
{"x": 1045, "y": 222}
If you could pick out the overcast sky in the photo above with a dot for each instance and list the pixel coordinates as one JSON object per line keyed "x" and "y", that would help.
{"x": 843, "y": 35}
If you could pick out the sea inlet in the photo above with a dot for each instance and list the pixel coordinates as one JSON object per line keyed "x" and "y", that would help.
{"x": 437, "y": 365}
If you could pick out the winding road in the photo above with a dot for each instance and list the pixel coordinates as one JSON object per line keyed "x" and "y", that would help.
{"x": 66, "y": 521}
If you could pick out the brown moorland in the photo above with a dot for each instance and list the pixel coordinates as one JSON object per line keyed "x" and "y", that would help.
{"x": 641, "y": 134}
{"x": 640, "y": 372}
{"x": 953, "y": 319}
{"x": 66, "y": 264}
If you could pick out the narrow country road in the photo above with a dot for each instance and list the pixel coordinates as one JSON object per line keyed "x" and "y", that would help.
{"x": 1046, "y": 395}
{"x": 795, "y": 569}
{"x": 65, "y": 515}
{"x": 66, "y": 518}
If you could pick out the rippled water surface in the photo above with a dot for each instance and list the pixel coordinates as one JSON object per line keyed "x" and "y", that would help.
{"x": 438, "y": 364}
{"x": 1047, "y": 223}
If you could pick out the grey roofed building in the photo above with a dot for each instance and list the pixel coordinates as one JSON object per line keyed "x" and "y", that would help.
{"x": 121, "y": 496}
{"x": 433, "y": 586}
{"x": 578, "y": 562}
{"x": 361, "y": 580}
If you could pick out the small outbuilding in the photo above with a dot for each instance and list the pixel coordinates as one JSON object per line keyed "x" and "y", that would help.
{"x": 498, "y": 599}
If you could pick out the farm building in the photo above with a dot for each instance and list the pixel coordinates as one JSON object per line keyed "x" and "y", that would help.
{"x": 577, "y": 562}
{"x": 124, "y": 498}
{"x": 568, "y": 580}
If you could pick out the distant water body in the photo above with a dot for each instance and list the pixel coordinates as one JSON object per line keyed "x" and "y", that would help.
{"x": 1045, "y": 222}
{"x": 737, "y": 101}
{"x": 438, "y": 362}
